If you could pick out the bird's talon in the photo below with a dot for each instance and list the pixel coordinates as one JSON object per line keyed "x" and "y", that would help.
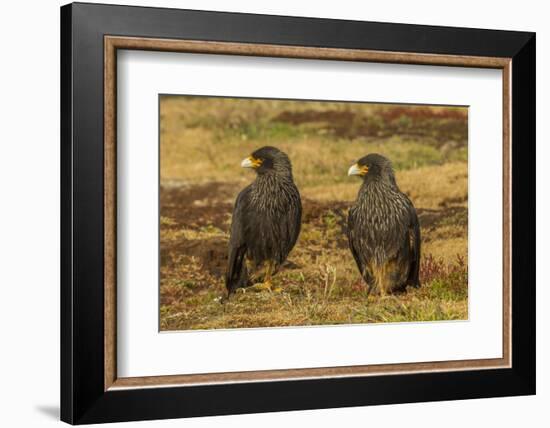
{"x": 261, "y": 286}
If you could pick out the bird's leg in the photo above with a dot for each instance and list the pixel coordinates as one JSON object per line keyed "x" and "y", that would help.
{"x": 266, "y": 284}
{"x": 250, "y": 267}
{"x": 269, "y": 273}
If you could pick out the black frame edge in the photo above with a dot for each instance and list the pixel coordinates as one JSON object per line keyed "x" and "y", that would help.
{"x": 66, "y": 130}
{"x": 524, "y": 213}
{"x": 304, "y": 31}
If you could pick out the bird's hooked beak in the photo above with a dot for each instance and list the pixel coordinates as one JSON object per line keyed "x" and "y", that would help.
{"x": 357, "y": 169}
{"x": 251, "y": 162}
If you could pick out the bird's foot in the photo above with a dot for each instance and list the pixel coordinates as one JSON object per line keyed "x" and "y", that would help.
{"x": 222, "y": 299}
{"x": 262, "y": 286}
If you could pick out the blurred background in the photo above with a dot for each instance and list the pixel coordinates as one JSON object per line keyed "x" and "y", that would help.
{"x": 203, "y": 140}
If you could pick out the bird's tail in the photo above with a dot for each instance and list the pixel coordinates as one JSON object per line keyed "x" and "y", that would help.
{"x": 414, "y": 273}
{"x": 237, "y": 273}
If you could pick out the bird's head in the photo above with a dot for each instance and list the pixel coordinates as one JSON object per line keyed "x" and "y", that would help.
{"x": 373, "y": 167}
{"x": 268, "y": 160}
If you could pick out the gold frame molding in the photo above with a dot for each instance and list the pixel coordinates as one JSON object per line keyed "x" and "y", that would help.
{"x": 113, "y": 43}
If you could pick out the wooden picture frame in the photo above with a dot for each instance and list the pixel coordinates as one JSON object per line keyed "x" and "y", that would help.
{"x": 91, "y": 390}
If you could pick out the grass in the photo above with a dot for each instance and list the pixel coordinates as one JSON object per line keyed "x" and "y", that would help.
{"x": 202, "y": 143}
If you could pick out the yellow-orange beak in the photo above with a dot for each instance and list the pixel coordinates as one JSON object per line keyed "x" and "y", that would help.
{"x": 251, "y": 162}
{"x": 357, "y": 169}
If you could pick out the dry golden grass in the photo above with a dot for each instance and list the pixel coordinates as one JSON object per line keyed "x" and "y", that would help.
{"x": 202, "y": 143}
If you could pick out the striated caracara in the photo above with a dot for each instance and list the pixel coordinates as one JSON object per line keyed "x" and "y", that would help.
{"x": 266, "y": 221}
{"x": 383, "y": 229}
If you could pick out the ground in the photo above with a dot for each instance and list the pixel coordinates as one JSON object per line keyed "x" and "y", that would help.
{"x": 202, "y": 143}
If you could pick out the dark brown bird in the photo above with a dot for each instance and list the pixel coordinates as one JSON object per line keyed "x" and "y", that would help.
{"x": 266, "y": 221}
{"x": 383, "y": 229}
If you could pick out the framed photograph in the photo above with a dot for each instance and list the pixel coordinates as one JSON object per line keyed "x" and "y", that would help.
{"x": 266, "y": 213}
